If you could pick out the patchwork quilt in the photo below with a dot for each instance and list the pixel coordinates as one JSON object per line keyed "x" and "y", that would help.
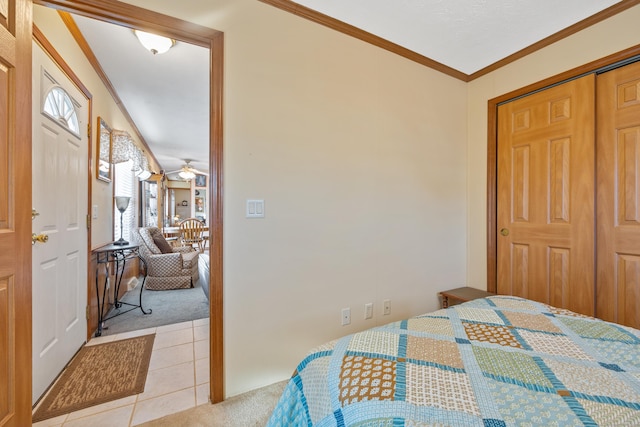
{"x": 498, "y": 361}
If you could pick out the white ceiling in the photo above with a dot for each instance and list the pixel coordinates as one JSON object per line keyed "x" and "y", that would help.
{"x": 166, "y": 97}
{"x": 466, "y": 35}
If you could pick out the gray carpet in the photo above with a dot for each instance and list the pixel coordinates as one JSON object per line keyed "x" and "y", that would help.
{"x": 251, "y": 409}
{"x": 173, "y": 306}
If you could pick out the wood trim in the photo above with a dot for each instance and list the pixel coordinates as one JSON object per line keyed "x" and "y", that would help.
{"x": 327, "y": 21}
{"x": 20, "y": 136}
{"x": 492, "y": 143}
{"x": 216, "y": 297}
{"x": 119, "y": 13}
{"x": 492, "y": 198}
{"x": 86, "y": 49}
{"x": 130, "y": 16}
{"x": 573, "y": 29}
{"x": 57, "y": 58}
{"x": 350, "y": 30}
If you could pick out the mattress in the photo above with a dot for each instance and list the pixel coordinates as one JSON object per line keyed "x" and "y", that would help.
{"x": 497, "y": 361}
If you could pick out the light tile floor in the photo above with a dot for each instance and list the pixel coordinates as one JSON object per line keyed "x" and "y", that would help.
{"x": 178, "y": 379}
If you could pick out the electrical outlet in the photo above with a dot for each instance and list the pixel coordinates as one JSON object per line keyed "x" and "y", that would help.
{"x": 386, "y": 307}
{"x": 368, "y": 310}
{"x": 346, "y": 316}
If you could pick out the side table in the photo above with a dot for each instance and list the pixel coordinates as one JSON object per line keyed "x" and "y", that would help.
{"x": 118, "y": 255}
{"x": 459, "y": 295}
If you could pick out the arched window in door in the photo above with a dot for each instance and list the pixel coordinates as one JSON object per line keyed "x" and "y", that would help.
{"x": 58, "y": 105}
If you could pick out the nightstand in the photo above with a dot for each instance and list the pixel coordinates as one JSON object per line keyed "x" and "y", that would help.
{"x": 459, "y": 295}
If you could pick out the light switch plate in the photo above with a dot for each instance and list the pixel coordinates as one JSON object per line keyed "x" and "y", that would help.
{"x": 255, "y": 208}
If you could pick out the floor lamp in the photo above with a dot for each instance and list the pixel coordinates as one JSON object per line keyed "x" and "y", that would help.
{"x": 122, "y": 203}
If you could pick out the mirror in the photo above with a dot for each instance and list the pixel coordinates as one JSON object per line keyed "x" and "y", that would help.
{"x": 150, "y": 202}
{"x": 178, "y": 206}
{"x": 103, "y": 166}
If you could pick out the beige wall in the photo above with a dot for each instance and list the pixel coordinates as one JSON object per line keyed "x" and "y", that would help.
{"x": 373, "y": 172}
{"x": 613, "y": 35}
{"x": 360, "y": 157}
{"x": 49, "y": 22}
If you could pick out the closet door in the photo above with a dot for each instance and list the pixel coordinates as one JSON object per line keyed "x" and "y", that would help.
{"x": 618, "y": 197}
{"x": 546, "y": 175}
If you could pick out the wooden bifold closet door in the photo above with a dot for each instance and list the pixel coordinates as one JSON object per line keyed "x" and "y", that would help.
{"x": 546, "y": 170}
{"x": 568, "y": 233}
{"x": 618, "y": 196}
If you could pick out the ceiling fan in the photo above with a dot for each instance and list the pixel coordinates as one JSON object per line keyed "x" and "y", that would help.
{"x": 187, "y": 172}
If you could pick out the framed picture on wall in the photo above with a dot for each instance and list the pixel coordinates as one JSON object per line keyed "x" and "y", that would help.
{"x": 199, "y": 204}
{"x": 201, "y": 180}
{"x": 104, "y": 151}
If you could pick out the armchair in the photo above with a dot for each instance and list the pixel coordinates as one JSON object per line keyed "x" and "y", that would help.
{"x": 167, "y": 267}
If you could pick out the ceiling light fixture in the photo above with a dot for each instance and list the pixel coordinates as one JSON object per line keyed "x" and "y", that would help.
{"x": 153, "y": 42}
{"x": 186, "y": 175}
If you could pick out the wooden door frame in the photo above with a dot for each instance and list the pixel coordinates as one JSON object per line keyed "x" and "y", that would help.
{"x": 135, "y": 17}
{"x": 492, "y": 145}
{"x": 15, "y": 219}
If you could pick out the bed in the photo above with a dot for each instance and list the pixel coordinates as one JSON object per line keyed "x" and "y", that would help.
{"x": 497, "y": 361}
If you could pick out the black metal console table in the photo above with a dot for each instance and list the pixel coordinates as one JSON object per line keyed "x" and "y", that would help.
{"x": 118, "y": 255}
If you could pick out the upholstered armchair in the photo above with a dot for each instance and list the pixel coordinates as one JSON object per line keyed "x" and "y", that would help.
{"x": 167, "y": 267}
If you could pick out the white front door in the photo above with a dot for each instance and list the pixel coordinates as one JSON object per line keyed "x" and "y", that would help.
{"x": 59, "y": 196}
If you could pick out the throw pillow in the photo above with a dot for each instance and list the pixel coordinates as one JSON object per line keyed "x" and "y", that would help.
{"x": 162, "y": 244}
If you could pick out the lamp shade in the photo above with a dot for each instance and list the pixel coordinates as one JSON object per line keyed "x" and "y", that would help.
{"x": 122, "y": 202}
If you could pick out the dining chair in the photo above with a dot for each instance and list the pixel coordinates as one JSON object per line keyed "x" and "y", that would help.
{"x": 192, "y": 233}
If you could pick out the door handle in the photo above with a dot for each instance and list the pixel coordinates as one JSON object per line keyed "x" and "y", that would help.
{"x": 504, "y": 232}
{"x": 42, "y": 238}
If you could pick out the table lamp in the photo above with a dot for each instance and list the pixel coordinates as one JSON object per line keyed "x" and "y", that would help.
{"x": 122, "y": 203}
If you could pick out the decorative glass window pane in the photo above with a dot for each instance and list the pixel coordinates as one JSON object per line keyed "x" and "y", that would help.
{"x": 59, "y": 106}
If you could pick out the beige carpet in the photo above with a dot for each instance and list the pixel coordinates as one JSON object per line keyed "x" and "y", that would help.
{"x": 251, "y": 409}
{"x": 98, "y": 374}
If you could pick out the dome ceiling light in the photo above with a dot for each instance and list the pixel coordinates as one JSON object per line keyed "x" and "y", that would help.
{"x": 154, "y": 43}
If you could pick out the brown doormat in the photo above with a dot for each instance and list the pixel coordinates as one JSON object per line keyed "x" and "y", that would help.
{"x": 98, "y": 374}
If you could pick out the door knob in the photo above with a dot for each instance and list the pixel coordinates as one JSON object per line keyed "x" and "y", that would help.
{"x": 42, "y": 238}
{"x": 504, "y": 231}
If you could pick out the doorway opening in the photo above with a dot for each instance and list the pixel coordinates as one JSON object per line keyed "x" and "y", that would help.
{"x": 138, "y": 18}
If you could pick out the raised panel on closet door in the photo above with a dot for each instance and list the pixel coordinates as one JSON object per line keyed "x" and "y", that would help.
{"x": 618, "y": 196}
{"x": 546, "y": 175}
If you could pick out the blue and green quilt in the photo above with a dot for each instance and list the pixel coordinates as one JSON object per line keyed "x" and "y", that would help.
{"x": 498, "y": 361}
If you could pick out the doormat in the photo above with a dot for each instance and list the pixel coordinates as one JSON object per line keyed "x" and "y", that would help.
{"x": 98, "y": 374}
